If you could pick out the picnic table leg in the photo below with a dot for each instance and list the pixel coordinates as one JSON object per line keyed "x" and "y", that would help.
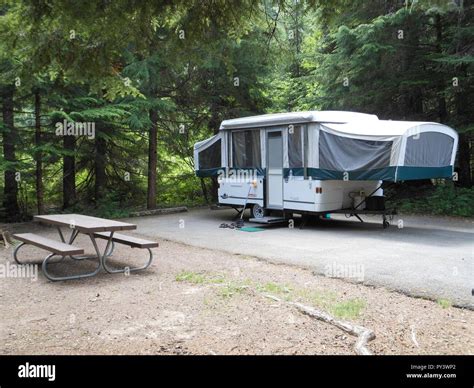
{"x": 129, "y": 269}
{"x": 17, "y": 248}
{"x": 108, "y": 248}
{"x": 15, "y": 252}
{"x": 100, "y": 256}
{"x": 72, "y": 237}
{"x": 109, "y": 253}
{"x": 71, "y": 277}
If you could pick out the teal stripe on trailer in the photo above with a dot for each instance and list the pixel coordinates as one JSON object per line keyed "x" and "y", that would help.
{"x": 260, "y": 171}
{"x": 384, "y": 174}
{"x": 299, "y": 171}
{"x": 387, "y": 173}
{"x": 210, "y": 172}
{"x": 406, "y": 173}
{"x": 391, "y": 174}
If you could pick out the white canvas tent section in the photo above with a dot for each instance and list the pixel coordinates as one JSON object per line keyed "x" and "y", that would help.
{"x": 397, "y": 132}
{"x": 385, "y": 144}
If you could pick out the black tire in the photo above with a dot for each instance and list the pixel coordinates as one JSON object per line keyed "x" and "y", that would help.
{"x": 258, "y": 211}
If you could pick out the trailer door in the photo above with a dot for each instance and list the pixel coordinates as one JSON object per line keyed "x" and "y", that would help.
{"x": 274, "y": 170}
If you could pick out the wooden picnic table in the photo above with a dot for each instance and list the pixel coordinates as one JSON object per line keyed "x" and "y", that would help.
{"x": 95, "y": 228}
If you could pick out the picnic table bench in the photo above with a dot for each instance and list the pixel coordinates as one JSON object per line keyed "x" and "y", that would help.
{"x": 95, "y": 228}
{"x": 53, "y": 246}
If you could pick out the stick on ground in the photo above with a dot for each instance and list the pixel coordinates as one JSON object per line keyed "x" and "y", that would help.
{"x": 363, "y": 334}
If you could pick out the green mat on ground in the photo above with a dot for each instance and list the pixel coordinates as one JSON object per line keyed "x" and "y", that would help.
{"x": 251, "y": 229}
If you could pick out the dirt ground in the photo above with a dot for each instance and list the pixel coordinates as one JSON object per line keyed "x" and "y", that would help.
{"x": 199, "y": 301}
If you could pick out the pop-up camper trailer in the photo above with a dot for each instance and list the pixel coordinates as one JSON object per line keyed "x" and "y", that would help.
{"x": 320, "y": 162}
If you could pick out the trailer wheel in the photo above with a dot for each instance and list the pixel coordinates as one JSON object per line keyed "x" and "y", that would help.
{"x": 258, "y": 211}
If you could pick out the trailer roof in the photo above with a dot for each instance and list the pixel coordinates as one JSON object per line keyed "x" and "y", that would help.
{"x": 387, "y": 128}
{"x": 296, "y": 118}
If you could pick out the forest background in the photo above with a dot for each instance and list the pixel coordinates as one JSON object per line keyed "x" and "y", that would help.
{"x": 154, "y": 77}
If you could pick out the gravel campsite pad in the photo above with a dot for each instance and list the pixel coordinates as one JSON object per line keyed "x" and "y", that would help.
{"x": 199, "y": 301}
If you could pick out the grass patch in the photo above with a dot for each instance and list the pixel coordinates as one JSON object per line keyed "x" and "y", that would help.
{"x": 348, "y": 309}
{"x": 274, "y": 288}
{"x": 232, "y": 289}
{"x": 444, "y": 303}
{"x": 315, "y": 298}
{"x": 227, "y": 289}
{"x": 198, "y": 278}
{"x": 191, "y": 277}
{"x": 328, "y": 301}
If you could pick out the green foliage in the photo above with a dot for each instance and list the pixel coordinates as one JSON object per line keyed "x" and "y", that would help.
{"x": 444, "y": 303}
{"x": 274, "y": 288}
{"x": 106, "y": 208}
{"x": 441, "y": 200}
{"x": 191, "y": 277}
{"x": 349, "y": 309}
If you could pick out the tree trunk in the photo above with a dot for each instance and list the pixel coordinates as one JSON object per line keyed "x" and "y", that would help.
{"x": 38, "y": 155}
{"x": 69, "y": 172}
{"x": 412, "y": 97}
{"x": 99, "y": 166}
{"x": 464, "y": 161}
{"x": 10, "y": 201}
{"x": 442, "y": 110}
{"x": 204, "y": 190}
{"x": 152, "y": 160}
{"x": 464, "y": 117}
{"x": 214, "y": 123}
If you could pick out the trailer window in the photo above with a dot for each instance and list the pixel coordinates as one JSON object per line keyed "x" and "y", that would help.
{"x": 340, "y": 153}
{"x": 211, "y": 156}
{"x": 295, "y": 146}
{"x": 246, "y": 149}
{"x": 429, "y": 149}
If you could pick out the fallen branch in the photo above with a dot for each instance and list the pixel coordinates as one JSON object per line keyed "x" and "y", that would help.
{"x": 363, "y": 334}
{"x": 154, "y": 212}
{"x": 6, "y": 238}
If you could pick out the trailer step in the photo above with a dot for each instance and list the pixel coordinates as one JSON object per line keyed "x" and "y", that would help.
{"x": 269, "y": 220}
